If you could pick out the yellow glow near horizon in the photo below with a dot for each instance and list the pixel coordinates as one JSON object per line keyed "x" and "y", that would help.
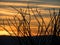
{"x": 4, "y": 33}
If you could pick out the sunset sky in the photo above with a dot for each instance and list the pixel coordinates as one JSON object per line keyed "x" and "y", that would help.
{"x": 43, "y": 3}
{"x": 53, "y": 2}
{"x": 5, "y": 9}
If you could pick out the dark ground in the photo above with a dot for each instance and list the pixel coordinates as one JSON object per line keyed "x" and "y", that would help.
{"x": 35, "y": 40}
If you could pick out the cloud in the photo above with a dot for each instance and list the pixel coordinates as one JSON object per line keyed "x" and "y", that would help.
{"x": 16, "y": 0}
{"x": 51, "y": 2}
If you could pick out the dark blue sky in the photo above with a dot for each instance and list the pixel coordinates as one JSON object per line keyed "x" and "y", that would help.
{"x": 31, "y": 0}
{"x": 34, "y": 0}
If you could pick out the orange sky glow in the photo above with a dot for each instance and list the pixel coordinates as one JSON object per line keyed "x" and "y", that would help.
{"x": 10, "y": 11}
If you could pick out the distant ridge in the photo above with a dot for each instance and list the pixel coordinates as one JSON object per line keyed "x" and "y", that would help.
{"x": 35, "y": 40}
